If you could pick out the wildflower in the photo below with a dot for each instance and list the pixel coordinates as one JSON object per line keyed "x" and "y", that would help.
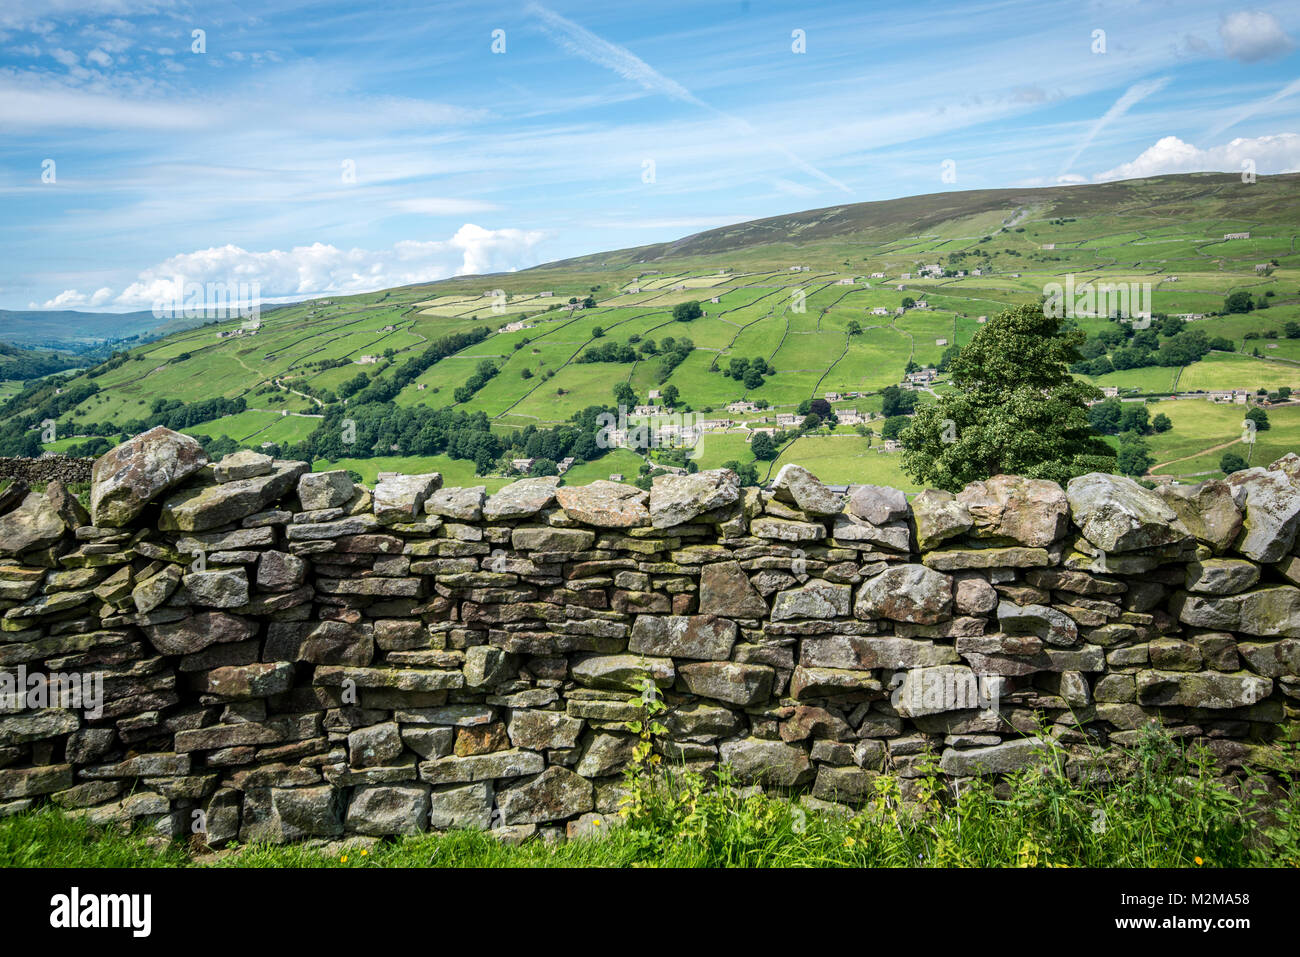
{"x": 1199, "y": 862}
{"x": 595, "y": 822}
{"x": 343, "y": 859}
{"x": 849, "y": 842}
{"x": 364, "y": 853}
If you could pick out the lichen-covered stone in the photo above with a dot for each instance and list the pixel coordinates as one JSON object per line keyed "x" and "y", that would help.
{"x": 677, "y": 499}
{"x": 911, "y": 593}
{"x": 1118, "y": 515}
{"x": 128, "y": 477}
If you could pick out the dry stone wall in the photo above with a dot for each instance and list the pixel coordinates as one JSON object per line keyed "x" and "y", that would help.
{"x": 286, "y": 655}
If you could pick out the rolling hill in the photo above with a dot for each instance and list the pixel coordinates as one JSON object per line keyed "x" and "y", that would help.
{"x": 815, "y": 295}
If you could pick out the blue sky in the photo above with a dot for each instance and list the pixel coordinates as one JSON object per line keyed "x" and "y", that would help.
{"x": 327, "y": 147}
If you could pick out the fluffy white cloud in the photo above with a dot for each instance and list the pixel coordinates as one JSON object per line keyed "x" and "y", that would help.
{"x": 1252, "y": 35}
{"x": 1269, "y": 154}
{"x": 321, "y": 269}
{"x": 72, "y": 299}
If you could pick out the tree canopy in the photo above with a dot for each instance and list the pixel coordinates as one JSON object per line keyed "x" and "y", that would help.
{"x": 1015, "y": 409}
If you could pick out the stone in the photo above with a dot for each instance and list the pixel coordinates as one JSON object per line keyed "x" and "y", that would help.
{"x": 1205, "y": 689}
{"x": 726, "y": 590}
{"x": 1030, "y": 512}
{"x": 521, "y": 499}
{"x": 226, "y": 588}
{"x": 461, "y": 504}
{"x": 728, "y": 681}
{"x": 795, "y": 484}
{"x": 677, "y": 499}
{"x": 621, "y": 672}
{"x": 243, "y": 464}
{"x": 1053, "y": 626}
{"x": 1221, "y": 576}
{"x": 605, "y": 504}
{"x": 1271, "y": 502}
{"x": 938, "y": 516}
{"x": 605, "y": 754}
{"x": 784, "y": 530}
{"x": 198, "y": 508}
{"x": 704, "y": 637}
{"x": 280, "y": 571}
{"x": 852, "y": 785}
{"x": 878, "y": 504}
{"x": 33, "y": 525}
{"x": 1011, "y": 556}
{"x": 849, "y": 528}
{"x": 767, "y": 762}
{"x": 156, "y": 589}
{"x": 934, "y": 690}
{"x": 908, "y": 593}
{"x": 199, "y": 631}
{"x": 814, "y": 599}
{"x": 319, "y": 490}
{"x": 1272, "y": 659}
{"x": 130, "y": 476}
{"x": 375, "y": 746}
{"x": 291, "y": 814}
{"x": 461, "y": 806}
{"x": 1207, "y": 511}
{"x": 543, "y": 730}
{"x": 998, "y": 759}
{"x": 555, "y": 794}
{"x": 1116, "y": 514}
{"x": 1273, "y": 611}
{"x": 869, "y": 653}
{"x": 973, "y": 594}
{"x": 482, "y": 767}
{"x": 400, "y": 498}
{"x": 388, "y": 809}
{"x": 545, "y": 539}
{"x": 250, "y": 681}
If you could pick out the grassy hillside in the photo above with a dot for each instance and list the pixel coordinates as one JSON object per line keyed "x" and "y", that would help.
{"x": 788, "y": 290}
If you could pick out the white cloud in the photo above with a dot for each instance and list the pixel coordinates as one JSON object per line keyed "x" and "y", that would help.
{"x": 321, "y": 268}
{"x": 1270, "y": 154}
{"x": 1253, "y": 35}
{"x": 99, "y": 58}
{"x": 66, "y": 57}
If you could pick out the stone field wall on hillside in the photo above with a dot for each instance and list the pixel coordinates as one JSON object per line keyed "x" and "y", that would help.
{"x": 285, "y": 655}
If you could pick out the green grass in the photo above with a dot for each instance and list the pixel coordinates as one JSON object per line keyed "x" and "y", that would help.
{"x": 1169, "y": 808}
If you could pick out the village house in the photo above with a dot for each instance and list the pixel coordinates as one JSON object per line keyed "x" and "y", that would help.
{"x": 766, "y": 430}
{"x": 742, "y": 406}
{"x": 977, "y": 272}
{"x": 653, "y": 394}
{"x": 564, "y": 465}
{"x": 921, "y": 304}
{"x": 880, "y": 311}
{"x": 650, "y": 410}
{"x": 849, "y": 417}
{"x": 616, "y": 477}
{"x": 522, "y": 465}
{"x": 981, "y": 319}
{"x": 832, "y": 396}
{"x": 713, "y": 425}
{"x": 877, "y": 275}
{"x": 920, "y": 377}
{"x": 421, "y": 386}
{"x": 1236, "y": 235}
{"x": 940, "y": 342}
{"x": 1049, "y": 245}
{"x": 367, "y": 360}
{"x": 787, "y": 420}
{"x": 844, "y": 282}
{"x": 1110, "y": 391}
{"x": 545, "y": 295}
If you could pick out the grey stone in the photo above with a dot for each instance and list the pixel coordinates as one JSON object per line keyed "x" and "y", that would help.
{"x": 677, "y": 499}
{"x": 909, "y": 593}
{"x": 130, "y": 476}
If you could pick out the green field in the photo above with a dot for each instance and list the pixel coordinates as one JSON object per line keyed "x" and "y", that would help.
{"x": 1166, "y": 232}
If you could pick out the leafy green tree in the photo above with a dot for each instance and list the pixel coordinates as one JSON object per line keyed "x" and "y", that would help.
{"x": 894, "y": 426}
{"x": 670, "y": 395}
{"x": 896, "y": 400}
{"x": 1240, "y": 301}
{"x": 1134, "y": 458}
{"x": 753, "y": 378}
{"x": 1232, "y": 462}
{"x": 762, "y": 447}
{"x": 687, "y": 311}
{"x": 1133, "y": 418}
{"x": 748, "y": 472}
{"x": 624, "y": 395}
{"x": 854, "y": 328}
{"x": 811, "y": 421}
{"x": 1161, "y": 423}
{"x": 1260, "y": 418}
{"x": 1014, "y": 408}
{"x": 908, "y": 302}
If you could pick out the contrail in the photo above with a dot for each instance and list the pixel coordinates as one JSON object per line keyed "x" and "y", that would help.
{"x": 1253, "y": 108}
{"x": 581, "y": 42}
{"x": 1132, "y": 96}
